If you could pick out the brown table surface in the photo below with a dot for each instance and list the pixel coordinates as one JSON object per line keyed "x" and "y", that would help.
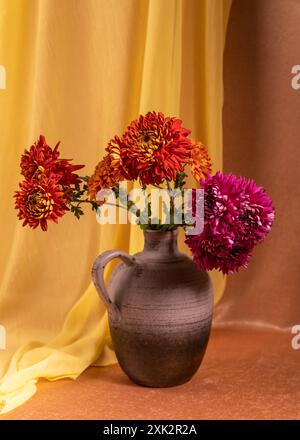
{"x": 245, "y": 374}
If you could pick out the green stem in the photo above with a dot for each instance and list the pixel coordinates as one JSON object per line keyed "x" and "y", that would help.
{"x": 172, "y": 205}
{"x": 79, "y": 201}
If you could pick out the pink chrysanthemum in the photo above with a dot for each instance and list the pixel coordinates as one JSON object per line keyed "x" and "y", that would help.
{"x": 237, "y": 216}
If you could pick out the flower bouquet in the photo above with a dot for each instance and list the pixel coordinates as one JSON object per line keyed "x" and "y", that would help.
{"x": 159, "y": 300}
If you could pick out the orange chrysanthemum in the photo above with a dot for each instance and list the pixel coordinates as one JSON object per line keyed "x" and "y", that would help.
{"x": 200, "y": 162}
{"x": 108, "y": 172}
{"x": 155, "y": 148}
{"x": 152, "y": 149}
{"x": 48, "y": 187}
{"x": 40, "y": 201}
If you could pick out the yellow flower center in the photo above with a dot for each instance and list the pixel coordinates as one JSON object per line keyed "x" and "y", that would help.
{"x": 148, "y": 143}
{"x": 39, "y": 171}
{"x": 39, "y": 204}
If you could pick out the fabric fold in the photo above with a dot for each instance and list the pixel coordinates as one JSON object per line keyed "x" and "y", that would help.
{"x": 72, "y": 77}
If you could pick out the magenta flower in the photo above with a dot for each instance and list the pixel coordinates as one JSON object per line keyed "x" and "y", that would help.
{"x": 237, "y": 216}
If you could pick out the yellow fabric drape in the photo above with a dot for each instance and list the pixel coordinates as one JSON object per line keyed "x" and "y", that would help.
{"x": 78, "y": 71}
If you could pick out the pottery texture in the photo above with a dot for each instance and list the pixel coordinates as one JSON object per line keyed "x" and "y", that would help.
{"x": 160, "y": 311}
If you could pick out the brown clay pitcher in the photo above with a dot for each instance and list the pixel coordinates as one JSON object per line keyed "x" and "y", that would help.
{"x": 160, "y": 310}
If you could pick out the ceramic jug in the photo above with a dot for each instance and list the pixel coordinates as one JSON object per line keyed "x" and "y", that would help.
{"x": 160, "y": 309}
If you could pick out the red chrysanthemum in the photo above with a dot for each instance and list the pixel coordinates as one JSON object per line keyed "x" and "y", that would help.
{"x": 41, "y": 159}
{"x": 154, "y": 148}
{"x": 40, "y": 201}
{"x": 37, "y": 159}
{"x": 237, "y": 215}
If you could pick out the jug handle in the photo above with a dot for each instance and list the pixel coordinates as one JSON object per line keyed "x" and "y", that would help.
{"x": 98, "y": 279}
